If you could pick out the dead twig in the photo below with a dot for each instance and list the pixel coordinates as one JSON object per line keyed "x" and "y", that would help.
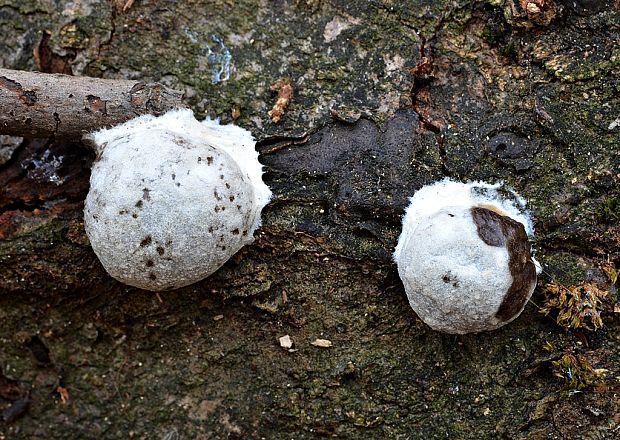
{"x": 34, "y": 104}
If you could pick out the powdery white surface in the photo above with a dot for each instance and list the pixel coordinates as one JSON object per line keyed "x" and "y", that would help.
{"x": 454, "y": 281}
{"x": 172, "y": 199}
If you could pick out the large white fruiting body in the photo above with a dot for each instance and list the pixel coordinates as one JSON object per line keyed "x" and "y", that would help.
{"x": 454, "y": 281}
{"x": 172, "y": 199}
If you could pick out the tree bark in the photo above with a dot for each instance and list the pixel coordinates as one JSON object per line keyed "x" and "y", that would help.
{"x": 388, "y": 96}
{"x": 39, "y": 105}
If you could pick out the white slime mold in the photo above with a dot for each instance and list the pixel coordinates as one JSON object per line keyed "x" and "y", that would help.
{"x": 172, "y": 199}
{"x": 464, "y": 256}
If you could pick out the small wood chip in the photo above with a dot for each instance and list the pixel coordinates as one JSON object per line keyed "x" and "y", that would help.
{"x": 323, "y": 343}
{"x": 286, "y": 342}
{"x": 63, "y": 393}
{"x": 285, "y": 94}
{"x": 123, "y": 5}
{"x": 218, "y": 317}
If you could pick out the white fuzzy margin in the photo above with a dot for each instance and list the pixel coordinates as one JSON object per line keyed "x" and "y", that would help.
{"x": 447, "y": 192}
{"x": 236, "y": 141}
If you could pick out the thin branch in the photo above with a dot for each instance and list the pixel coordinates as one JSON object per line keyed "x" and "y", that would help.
{"x": 36, "y": 104}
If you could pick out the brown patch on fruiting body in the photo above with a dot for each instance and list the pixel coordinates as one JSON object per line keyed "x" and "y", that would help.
{"x": 502, "y": 231}
{"x": 493, "y": 208}
{"x": 285, "y": 94}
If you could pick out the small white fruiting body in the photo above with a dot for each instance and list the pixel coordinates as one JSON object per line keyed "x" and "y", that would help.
{"x": 464, "y": 256}
{"x": 172, "y": 199}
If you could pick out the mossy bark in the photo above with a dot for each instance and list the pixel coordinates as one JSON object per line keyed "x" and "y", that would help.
{"x": 388, "y": 96}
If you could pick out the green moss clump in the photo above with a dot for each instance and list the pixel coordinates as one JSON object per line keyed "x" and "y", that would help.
{"x": 577, "y": 306}
{"x": 509, "y": 51}
{"x": 575, "y": 370}
{"x": 610, "y": 210}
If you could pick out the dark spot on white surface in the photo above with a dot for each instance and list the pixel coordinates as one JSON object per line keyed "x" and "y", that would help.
{"x": 146, "y": 241}
{"x": 160, "y": 250}
{"x": 146, "y": 194}
{"x": 449, "y": 278}
{"x": 139, "y": 204}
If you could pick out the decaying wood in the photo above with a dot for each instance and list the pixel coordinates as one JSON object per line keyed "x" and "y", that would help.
{"x": 36, "y": 104}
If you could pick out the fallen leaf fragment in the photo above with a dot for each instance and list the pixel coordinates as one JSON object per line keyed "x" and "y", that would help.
{"x": 286, "y": 342}
{"x": 323, "y": 343}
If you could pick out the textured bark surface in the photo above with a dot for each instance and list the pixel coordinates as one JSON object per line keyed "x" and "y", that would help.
{"x": 40, "y": 105}
{"x": 387, "y": 96}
